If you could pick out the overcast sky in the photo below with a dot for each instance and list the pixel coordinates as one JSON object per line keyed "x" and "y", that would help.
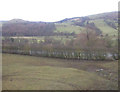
{"x": 53, "y": 10}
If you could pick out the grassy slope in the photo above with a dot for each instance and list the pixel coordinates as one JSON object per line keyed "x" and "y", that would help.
{"x": 68, "y": 28}
{"x": 97, "y": 19}
{"x": 106, "y": 29}
{"x": 28, "y": 72}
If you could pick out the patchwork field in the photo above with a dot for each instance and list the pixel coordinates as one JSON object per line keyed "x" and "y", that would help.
{"x": 22, "y": 72}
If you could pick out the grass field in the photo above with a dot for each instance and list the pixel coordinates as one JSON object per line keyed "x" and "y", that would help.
{"x": 68, "y": 28}
{"x": 22, "y": 72}
{"x": 104, "y": 27}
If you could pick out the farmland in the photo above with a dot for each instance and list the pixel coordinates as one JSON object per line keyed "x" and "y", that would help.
{"x": 78, "y": 53}
{"x": 104, "y": 27}
{"x": 68, "y": 28}
{"x": 21, "y": 72}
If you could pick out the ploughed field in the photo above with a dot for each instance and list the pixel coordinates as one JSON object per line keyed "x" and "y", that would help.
{"x": 22, "y": 72}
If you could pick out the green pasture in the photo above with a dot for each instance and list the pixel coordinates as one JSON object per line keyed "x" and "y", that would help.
{"x": 104, "y": 27}
{"x": 68, "y": 28}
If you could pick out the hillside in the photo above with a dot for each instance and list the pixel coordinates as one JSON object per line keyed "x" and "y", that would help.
{"x": 102, "y": 24}
{"x": 105, "y": 23}
{"x": 25, "y": 28}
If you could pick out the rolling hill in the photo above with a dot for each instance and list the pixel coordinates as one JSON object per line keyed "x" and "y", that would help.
{"x": 102, "y": 24}
{"x": 105, "y": 23}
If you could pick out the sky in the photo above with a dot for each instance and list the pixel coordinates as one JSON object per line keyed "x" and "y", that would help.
{"x": 53, "y": 10}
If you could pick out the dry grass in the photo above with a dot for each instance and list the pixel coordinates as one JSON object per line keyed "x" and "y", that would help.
{"x": 37, "y": 73}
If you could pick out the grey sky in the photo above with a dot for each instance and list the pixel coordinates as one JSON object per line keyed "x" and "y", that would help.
{"x": 53, "y": 10}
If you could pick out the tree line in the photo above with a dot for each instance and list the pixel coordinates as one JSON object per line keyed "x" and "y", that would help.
{"x": 86, "y": 45}
{"x": 31, "y": 29}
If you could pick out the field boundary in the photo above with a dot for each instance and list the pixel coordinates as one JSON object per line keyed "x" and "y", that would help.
{"x": 71, "y": 55}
